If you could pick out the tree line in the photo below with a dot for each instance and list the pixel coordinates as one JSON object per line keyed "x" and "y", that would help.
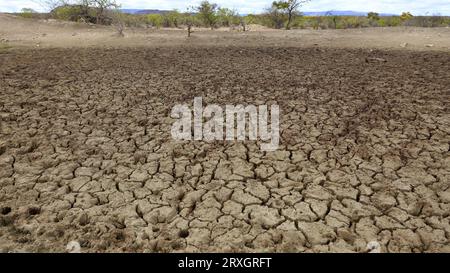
{"x": 206, "y": 14}
{"x": 279, "y": 14}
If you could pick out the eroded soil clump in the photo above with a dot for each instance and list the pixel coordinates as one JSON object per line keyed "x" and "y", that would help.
{"x": 86, "y": 152}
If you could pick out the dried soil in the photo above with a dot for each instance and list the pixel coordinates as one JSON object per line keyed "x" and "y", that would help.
{"x": 86, "y": 152}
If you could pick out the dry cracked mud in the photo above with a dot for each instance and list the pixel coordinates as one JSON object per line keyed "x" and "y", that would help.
{"x": 86, "y": 152}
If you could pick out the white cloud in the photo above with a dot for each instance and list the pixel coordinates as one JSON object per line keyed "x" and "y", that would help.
{"x": 418, "y": 7}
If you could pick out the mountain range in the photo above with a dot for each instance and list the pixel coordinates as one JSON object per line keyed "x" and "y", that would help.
{"x": 341, "y": 13}
{"x": 308, "y": 13}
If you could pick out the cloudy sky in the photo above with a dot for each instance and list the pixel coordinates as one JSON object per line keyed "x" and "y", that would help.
{"x": 417, "y": 7}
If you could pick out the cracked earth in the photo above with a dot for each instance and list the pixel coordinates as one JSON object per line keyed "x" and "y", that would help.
{"x": 86, "y": 152}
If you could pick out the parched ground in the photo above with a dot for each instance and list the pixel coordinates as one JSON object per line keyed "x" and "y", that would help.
{"x": 86, "y": 152}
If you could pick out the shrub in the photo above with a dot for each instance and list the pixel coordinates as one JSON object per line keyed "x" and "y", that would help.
{"x": 447, "y": 21}
{"x": 27, "y": 13}
{"x": 155, "y": 20}
{"x": 393, "y": 21}
{"x": 353, "y": 22}
{"x": 437, "y": 21}
{"x": 333, "y": 22}
{"x": 373, "y": 16}
{"x": 274, "y": 18}
{"x": 129, "y": 20}
{"x": 227, "y": 17}
{"x": 74, "y": 13}
{"x": 382, "y": 22}
{"x": 406, "y": 16}
{"x": 373, "y": 19}
{"x": 172, "y": 19}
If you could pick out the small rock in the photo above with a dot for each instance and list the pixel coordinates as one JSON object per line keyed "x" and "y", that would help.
{"x": 373, "y": 247}
{"x": 73, "y": 247}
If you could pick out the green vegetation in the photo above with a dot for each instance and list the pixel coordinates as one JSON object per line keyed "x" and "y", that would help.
{"x": 274, "y": 20}
{"x": 227, "y": 17}
{"x": 285, "y": 11}
{"x": 89, "y": 11}
{"x": 406, "y": 16}
{"x": 27, "y": 13}
{"x": 280, "y": 14}
{"x": 207, "y": 13}
{"x": 373, "y": 16}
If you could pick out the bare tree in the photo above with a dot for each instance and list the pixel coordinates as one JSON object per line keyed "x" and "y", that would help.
{"x": 243, "y": 24}
{"x": 189, "y": 19}
{"x": 102, "y": 7}
{"x": 289, "y": 7}
{"x": 276, "y": 17}
{"x": 118, "y": 22}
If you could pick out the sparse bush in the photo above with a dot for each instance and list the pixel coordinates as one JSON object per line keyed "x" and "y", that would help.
{"x": 119, "y": 21}
{"x": 447, "y": 21}
{"x": 354, "y": 22}
{"x": 27, "y": 13}
{"x": 73, "y": 13}
{"x": 89, "y": 11}
{"x": 334, "y": 20}
{"x": 275, "y": 18}
{"x": 393, "y": 21}
{"x": 227, "y": 17}
{"x": 436, "y": 21}
{"x": 283, "y": 12}
{"x": 382, "y": 22}
{"x": 249, "y": 19}
{"x": 172, "y": 19}
{"x": 373, "y": 16}
{"x": 101, "y": 8}
{"x": 406, "y": 16}
{"x": 374, "y": 19}
{"x": 155, "y": 20}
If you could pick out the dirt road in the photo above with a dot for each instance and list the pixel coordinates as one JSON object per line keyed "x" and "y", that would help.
{"x": 86, "y": 152}
{"x": 51, "y": 33}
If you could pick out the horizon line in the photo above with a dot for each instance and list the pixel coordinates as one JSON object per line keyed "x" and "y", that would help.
{"x": 261, "y": 12}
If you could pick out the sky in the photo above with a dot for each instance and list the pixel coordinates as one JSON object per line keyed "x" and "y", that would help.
{"x": 416, "y": 7}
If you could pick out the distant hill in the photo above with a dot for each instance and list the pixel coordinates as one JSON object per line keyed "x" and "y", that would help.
{"x": 308, "y": 13}
{"x": 144, "y": 11}
{"x": 341, "y": 13}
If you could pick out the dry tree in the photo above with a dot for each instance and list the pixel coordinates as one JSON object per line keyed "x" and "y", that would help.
{"x": 189, "y": 20}
{"x": 117, "y": 21}
{"x": 288, "y": 8}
